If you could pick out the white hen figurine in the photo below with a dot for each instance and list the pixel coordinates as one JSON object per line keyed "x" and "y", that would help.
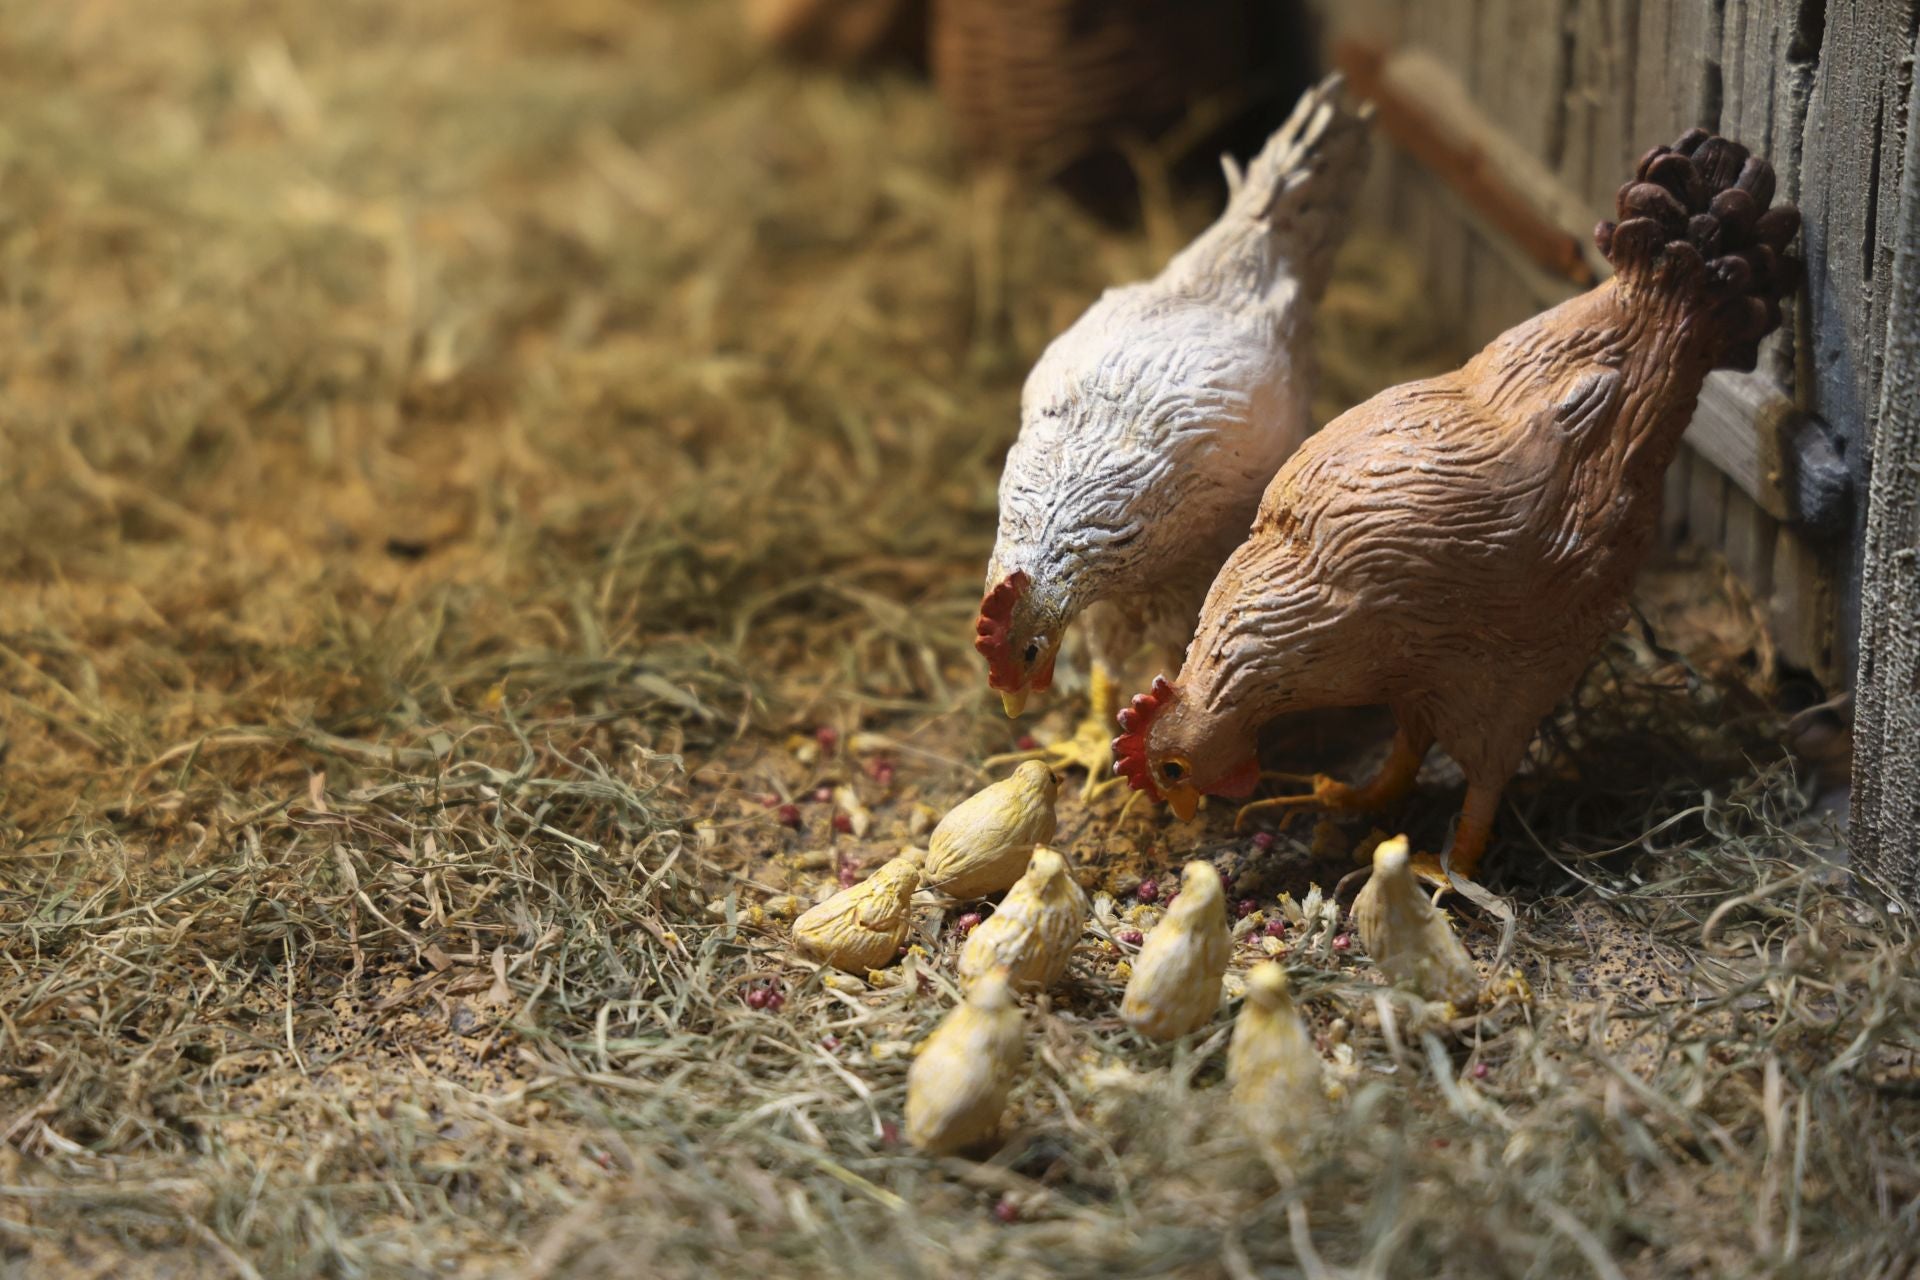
{"x": 1149, "y": 429}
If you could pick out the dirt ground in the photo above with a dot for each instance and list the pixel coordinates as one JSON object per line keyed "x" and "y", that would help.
{"x": 483, "y": 486}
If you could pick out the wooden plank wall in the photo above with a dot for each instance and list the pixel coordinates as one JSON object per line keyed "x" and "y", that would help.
{"x": 1587, "y": 86}
{"x": 1863, "y": 153}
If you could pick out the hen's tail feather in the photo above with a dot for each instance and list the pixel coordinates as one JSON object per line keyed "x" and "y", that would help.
{"x": 1287, "y": 212}
{"x": 1695, "y": 228}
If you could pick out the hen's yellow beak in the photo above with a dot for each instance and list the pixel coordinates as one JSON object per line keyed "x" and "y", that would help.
{"x": 1014, "y": 703}
{"x": 1183, "y": 800}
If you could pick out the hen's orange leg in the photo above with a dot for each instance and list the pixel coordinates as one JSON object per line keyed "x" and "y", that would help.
{"x": 1393, "y": 780}
{"x": 1469, "y": 839}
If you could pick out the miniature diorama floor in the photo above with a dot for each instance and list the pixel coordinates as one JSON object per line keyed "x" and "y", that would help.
{"x": 492, "y": 507}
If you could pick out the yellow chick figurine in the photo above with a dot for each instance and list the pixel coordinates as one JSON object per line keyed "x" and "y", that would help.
{"x": 861, "y": 928}
{"x": 957, "y": 1087}
{"x": 1407, "y": 935}
{"x": 1032, "y": 934}
{"x": 982, "y": 846}
{"x": 1272, "y": 1068}
{"x": 1175, "y": 986}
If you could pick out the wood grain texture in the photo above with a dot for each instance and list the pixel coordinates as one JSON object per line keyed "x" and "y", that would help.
{"x": 1517, "y": 66}
{"x": 1852, "y": 169}
{"x": 1448, "y": 35}
{"x": 1673, "y": 499}
{"x": 1424, "y": 107}
{"x": 1747, "y": 538}
{"x": 1738, "y": 429}
{"x": 1802, "y": 608}
{"x": 1886, "y": 777}
{"x": 1706, "y": 504}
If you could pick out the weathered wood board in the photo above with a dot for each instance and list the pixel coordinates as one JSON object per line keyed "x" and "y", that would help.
{"x": 1886, "y": 780}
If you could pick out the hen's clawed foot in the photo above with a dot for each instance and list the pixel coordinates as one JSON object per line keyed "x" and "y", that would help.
{"x": 1431, "y": 870}
{"x": 1428, "y": 870}
{"x": 1325, "y": 793}
{"x": 1394, "y": 780}
{"x": 1090, "y": 748}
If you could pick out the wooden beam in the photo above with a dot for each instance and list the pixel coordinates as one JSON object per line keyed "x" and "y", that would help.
{"x": 1428, "y": 113}
{"x": 1780, "y": 456}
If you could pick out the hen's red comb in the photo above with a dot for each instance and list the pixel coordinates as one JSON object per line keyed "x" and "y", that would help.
{"x": 1130, "y": 748}
{"x": 993, "y": 631}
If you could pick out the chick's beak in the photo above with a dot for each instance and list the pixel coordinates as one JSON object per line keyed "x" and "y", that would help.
{"x": 1014, "y": 703}
{"x": 1184, "y": 800}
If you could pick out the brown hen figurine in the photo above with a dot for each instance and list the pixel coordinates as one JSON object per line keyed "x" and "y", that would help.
{"x": 1458, "y": 548}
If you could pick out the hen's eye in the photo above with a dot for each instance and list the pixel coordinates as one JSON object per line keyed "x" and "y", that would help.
{"x": 1174, "y": 770}
{"x": 1033, "y": 651}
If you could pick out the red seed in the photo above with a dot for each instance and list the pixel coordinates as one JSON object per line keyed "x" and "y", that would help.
{"x": 1244, "y": 908}
{"x": 827, "y": 736}
{"x": 881, "y": 771}
{"x": 848, "y": 874}
{"x": 829, "y": 1043}
{"x": 889, "y": 1133}
{"x": 1028, "y": 742}
{"x": 789, "y": 815}
{"x": 823, "y": 795}
{"x": 843, "y": 823}
{"x": 757, "y": 998}
{"x": 1006, "y": 1210}
{"x": 769, "y": 800}
{"x": 1132, "y": 937}
{"x": 1263, "y": 840}
{"x": 1275, "y": 928}
{"x": 1479, "y": 1071}
{"x": 775, "y": 999}
{"x": 1342, "y": 942}
{"x": 1149, "y": 891}
{"x": 967, "y": 923}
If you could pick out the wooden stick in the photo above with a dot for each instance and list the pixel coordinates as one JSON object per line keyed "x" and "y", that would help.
{"x": 1429, "y": 115}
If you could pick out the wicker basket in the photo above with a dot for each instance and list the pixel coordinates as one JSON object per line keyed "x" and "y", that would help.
{"x": 1041, "y": 83}
{"x": 840, "y": 33}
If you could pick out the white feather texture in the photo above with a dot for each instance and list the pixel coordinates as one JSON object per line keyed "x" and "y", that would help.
{"x": 1150, "y": 428}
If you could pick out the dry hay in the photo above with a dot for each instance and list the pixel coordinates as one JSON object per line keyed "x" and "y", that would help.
{"x": 455, "y": 458}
